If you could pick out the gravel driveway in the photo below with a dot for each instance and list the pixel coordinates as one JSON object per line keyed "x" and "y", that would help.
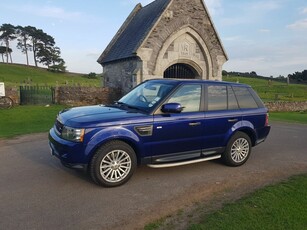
{"x": 36, "y": 192}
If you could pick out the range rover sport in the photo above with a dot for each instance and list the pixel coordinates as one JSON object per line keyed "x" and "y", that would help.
{"x": 161, "y": 123}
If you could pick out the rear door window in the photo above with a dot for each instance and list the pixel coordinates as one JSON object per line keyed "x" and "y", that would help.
{"x": 221, "y": 97}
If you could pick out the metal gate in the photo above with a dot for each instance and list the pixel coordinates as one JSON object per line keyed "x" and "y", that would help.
{"x": 181, "y": 71}
{"x": 36, "y": 95}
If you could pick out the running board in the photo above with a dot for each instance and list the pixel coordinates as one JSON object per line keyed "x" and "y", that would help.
{"x": 168, "y": 165}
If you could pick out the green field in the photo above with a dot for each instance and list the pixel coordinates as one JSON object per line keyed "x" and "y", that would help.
{"x": 16, "y": 75}
{"x": 273, "y": 90}
{"x": 293, "y": 117}
{"x": 27, "y": 119}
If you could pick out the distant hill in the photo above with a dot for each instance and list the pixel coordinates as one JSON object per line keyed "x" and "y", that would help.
{"x": 15, "y": 75}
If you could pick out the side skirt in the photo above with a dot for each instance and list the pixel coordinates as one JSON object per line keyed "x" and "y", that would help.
{"x": 168, "y": 165}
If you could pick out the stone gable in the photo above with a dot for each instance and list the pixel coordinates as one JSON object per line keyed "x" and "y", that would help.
{"x": 182, "y": 36}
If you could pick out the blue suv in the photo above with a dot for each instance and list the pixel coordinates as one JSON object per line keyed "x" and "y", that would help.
{"x": 161, "y": 123}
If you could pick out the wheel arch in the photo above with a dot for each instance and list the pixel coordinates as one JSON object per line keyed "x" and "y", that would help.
{"x": 92, "y": 148}
{"x": 249, "y": 132}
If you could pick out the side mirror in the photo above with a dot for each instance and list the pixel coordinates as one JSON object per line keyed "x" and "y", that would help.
{"x": 172, "y": 108}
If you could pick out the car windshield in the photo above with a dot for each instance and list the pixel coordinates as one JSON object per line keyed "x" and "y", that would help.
{"x": 147, "y": 95}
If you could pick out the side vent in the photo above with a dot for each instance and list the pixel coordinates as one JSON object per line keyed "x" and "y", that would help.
{"x": 144, "y": 130}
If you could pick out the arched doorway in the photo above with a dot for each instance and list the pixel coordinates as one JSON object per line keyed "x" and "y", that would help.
{"x": 181, "y": 71}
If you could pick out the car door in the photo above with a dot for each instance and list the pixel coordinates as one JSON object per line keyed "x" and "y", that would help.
{"x": 180, "y": 133}
{"x": 221, "y": 116}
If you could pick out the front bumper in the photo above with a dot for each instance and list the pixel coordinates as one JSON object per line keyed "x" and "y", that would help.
{"x": 71, "y": 154}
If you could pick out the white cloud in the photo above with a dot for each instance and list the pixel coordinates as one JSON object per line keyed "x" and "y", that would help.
{"x": 298, "y": 25}
{"x": 266, "y": 5}
{"x": 47, "y": 12}
{"x": 304, "y": 11}
{"x": 234, "y": 38}
{"x": 264, "y": 31}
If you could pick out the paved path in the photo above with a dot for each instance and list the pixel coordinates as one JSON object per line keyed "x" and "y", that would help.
{"x": 36, "y": 192}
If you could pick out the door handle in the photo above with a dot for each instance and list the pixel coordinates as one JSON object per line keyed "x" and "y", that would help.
{"x": 194, "y": 123}
{"x": 232, "y": 120}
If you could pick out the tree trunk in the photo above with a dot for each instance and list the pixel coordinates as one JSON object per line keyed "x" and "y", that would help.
{"x": 7, "y": 50}
{"x": 26, "y": 50}
{"x": 11, "y": 57}
{"x": 2, "y": 58}
{"x": 34, "y": 53}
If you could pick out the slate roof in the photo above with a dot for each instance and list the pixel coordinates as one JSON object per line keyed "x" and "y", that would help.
{"x": 126, "y": 42}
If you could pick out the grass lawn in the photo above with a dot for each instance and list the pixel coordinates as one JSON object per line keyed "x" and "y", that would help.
{"x": 27, "y": 119}
{"x": 282, "y": 206}
{"x": 297, "y": 117}
{"x": 15, "y": 75}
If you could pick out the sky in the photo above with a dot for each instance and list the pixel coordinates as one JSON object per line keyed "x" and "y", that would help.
{"x": 265, "y": 36}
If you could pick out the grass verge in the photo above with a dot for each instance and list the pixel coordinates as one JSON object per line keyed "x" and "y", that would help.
{"x": 282, "y": 206}
{"x": 296, "y": 117}
{"x": 27, "y": 119}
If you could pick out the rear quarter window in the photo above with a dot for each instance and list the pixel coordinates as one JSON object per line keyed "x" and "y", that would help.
{"x": 245, "y": 98}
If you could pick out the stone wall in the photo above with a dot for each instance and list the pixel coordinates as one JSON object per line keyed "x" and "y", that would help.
{"x": 282, "y": 106}
{"x": 77, "y": 96}
{"x": 121, "y": 74}
{"x": 13, "y": 93}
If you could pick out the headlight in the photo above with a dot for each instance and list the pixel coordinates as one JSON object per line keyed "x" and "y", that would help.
{"x": 72, "y": 134}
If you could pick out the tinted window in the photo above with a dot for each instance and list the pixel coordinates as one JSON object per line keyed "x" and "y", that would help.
{"x": 217, "y": 97}
{"x": 232, "y": 101}
{"x": 244, "y": 97}
{"x": 188, "y": 96}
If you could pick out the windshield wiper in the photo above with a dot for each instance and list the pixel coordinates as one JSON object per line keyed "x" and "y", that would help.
{"x": 128, "y": 106}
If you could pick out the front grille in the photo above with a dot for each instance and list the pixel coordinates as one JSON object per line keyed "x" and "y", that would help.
{"x": 59, "y": 127}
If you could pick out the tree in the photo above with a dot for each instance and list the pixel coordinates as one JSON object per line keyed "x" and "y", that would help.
{"x": 224, "y": 73}
{"x": 7, "y": 35}
{"x": 23, "y": 39}
{"x": 253, "y": 73}
{"x": 299, "y": 76}
{"x": 3, "y": 51}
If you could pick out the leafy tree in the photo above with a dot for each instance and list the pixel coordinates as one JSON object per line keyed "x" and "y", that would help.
{"x": 3, "y": 51}
{"x": 7, "y": 35}
{"x": 32, "y": 39}
{"x": 299, "y": 76}
{"x": 253, "y": 73}
{"x": 23, "y": 38}
{"x": 60, "y": 67}
{"x": 224, "y": 73}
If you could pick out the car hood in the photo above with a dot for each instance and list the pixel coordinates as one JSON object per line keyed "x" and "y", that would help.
{"x": 96, "y": 116}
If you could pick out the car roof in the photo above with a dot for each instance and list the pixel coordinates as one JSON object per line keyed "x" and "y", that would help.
{"x": 179, "y": 81}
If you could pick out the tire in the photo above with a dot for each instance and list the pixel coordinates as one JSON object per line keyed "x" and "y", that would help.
{"x": 113, "y": 164}
{"x": 238, "y": 150}
{"x": 6, "y": 103}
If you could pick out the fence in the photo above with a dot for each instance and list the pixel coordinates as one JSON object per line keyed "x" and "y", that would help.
{"x": 36, "y": 95}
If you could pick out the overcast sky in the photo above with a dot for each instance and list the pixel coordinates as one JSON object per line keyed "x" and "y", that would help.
{"x": 266, "y": 36}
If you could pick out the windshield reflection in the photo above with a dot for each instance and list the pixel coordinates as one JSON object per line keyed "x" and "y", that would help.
{"x": 147, "y": 95}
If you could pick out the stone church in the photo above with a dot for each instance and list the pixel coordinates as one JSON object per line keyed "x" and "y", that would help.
{"x": 165, "y": 39}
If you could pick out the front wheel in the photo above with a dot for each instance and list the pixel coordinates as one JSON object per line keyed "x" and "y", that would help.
{"x": 238, "y": 149}
{"x": 113, "y": 164}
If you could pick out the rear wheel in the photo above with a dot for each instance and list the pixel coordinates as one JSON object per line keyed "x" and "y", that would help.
{"x": 113, "y": 164}
{"x": 238, "y": 149}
